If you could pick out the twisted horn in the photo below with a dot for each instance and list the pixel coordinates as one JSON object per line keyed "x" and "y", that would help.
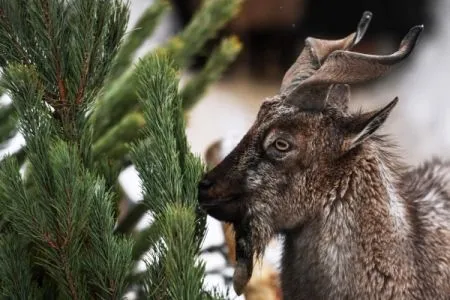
{"x": 316, "y": 51}
{"x": 345, "y": 67}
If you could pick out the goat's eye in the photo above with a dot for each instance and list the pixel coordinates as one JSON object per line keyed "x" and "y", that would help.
{"x": 282, "y": 145}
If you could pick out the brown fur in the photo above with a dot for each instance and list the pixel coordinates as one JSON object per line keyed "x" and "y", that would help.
{"x": 358, "y": 223}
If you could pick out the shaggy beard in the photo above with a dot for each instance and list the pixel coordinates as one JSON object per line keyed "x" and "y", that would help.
{"x": 261, "y": 233}
{"x": 253, "y": 234}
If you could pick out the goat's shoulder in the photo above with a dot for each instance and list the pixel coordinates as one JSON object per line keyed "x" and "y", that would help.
{"x": 427, "y": 189}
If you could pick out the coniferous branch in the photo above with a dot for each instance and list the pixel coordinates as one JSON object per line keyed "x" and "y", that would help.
{"x": 157, "y": 87}
{"x": 205, "y": 24}
{"x": 14, "y": 32}
{"x": 67, "y": 214}
{"x": 169, "y": 173}
{"x": 121, "y": 97}
{"x": 146, "y": 239}
{"x": 16, "y": 280}
{"x": 136, "y": 212}
{"x": 63, "y": 211}
{"x": 63, "y": 54}
{"x": 8, "y": 123}
{"x": 142, "y": 30}
{"x": 20, "y": 156}
{"x": 217, "y": 63}
{"x": 113, "y": 143}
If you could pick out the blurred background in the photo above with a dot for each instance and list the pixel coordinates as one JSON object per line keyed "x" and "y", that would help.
{"x": 272, "y": 33}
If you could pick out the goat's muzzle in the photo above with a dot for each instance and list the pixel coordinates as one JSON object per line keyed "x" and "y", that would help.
{"x": 218, "y": 201}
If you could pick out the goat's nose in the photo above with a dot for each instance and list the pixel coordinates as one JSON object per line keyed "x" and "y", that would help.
{"x": 205, "y": 184}
{"x": 203, "y": 189}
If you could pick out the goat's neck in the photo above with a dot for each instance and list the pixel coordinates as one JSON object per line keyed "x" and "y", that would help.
{"x": 361, "y": 235}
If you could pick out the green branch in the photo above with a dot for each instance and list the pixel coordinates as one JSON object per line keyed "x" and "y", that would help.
{"x": 121, "y": 97}
{"x": 142, "y": 30}
{"x": 217, "y": 63}
{"x": 61, "y": 210}
{"x": 8, "y": 123}
{"x": 169, "y": 173}
{"x": 115, "y": 140}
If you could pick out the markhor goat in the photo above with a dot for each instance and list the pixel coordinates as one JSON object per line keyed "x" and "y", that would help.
{"x": 357, "y": 223}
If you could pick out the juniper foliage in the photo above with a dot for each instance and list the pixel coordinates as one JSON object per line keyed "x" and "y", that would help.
{"x": 58, "y": 242}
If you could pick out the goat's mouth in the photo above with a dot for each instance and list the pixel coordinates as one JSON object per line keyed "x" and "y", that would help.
{"x": 215, "y": 202}
{"x": 227, "y": 209}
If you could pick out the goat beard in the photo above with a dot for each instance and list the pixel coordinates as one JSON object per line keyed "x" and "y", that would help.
{"x": 251, "y": 236}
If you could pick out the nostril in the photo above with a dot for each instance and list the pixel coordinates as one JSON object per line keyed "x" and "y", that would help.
{"x": 205, "y": 184}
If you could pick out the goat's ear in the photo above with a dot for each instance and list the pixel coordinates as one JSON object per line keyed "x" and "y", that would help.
{"x": 339, "y": 96}
{"x": 360, "y": 128}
